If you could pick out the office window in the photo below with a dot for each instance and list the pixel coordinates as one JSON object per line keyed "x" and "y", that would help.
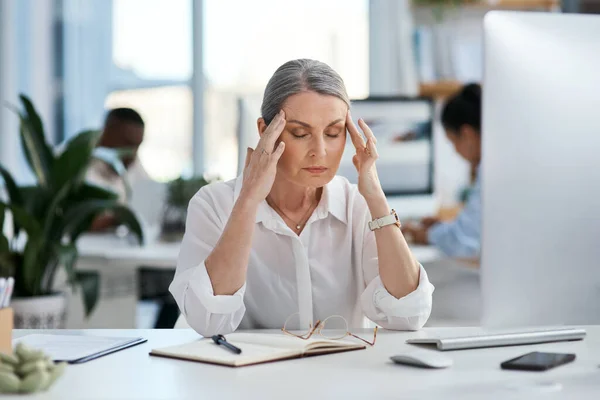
{"x": 152, "y": 66}
{"x": 166, "y": 152}
{"x": 138, "y": 54}
{"x": 131, "y": 53}
{"x": 245, "y": 42}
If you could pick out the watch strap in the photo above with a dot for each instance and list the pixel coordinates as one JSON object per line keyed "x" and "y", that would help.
{"x": 384, "y": 221}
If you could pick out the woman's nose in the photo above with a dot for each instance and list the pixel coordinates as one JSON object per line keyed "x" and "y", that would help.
{"x": 318, "y": 147}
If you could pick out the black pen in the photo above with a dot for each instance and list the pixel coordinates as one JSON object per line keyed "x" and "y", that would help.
{"x": 220, "y": 339}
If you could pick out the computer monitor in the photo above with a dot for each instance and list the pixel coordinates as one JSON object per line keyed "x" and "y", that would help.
{"x": 403, "y": 128}
{"x": 541, "y": 169}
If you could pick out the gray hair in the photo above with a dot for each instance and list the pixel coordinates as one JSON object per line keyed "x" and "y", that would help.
{"x": 297, "y": 76}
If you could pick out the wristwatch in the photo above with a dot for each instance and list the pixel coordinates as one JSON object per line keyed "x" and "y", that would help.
{"x": 385, "y": 221}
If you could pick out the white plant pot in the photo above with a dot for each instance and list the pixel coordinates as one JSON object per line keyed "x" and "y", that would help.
{"x": 43, "y": 312}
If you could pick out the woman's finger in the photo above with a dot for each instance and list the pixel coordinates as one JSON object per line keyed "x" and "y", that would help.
{"x": 368, "y": 132}
{"x": 278, "y": 151}
{"x": 355, "y": 162}
{"x": 372, "y": 149}
{"x": 273, "y": 132}
{"x": 355, "y": 136}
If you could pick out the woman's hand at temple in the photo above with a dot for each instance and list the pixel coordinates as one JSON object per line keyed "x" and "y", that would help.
{"x": 364, "y": 159}
{"x": 398, "y": 270}
{"x": 227, "y": 263}
{"x": 261, "y": 164}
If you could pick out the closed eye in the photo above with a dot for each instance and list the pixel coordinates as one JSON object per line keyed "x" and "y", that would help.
{"x": 333, "y": 133}
{"x": 299, "y": 135}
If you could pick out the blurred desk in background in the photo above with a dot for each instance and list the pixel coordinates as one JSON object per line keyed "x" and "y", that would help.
{"x": 100, "y": 252}
{"x": 110, "y": 251}
{"x": 118, "y": 262}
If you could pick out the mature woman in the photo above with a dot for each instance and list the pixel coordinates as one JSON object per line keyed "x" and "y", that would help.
{"x": 289, "y": 236}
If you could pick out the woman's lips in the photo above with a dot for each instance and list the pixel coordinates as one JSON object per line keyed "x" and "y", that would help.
{"x": 316, "y": 170}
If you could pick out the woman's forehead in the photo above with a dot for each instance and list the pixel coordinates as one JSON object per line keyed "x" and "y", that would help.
{"x": 314, "y": 109}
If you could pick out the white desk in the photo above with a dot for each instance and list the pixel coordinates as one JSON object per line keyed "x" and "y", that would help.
{"x": 108, "y": 251}
{"x": 369, "y": 374}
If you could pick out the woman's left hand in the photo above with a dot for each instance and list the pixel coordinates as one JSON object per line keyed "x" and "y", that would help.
{"x": 364, "y": 159}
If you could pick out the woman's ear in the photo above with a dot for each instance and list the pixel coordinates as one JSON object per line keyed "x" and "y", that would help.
{"x": 261, "y": 125}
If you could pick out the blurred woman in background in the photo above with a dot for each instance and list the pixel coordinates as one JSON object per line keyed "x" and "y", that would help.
{"x": 461, "y": 237}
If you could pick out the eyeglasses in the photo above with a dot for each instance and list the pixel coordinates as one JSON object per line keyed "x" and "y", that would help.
{"x": 337, "y": 325}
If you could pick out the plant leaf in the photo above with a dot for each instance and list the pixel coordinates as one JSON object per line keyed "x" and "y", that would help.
{"x": 67, "y": 256}
{"x": 36, "y": 149}
{"x": 6, "y": 265}
{"x": 24, "y": 220}
{"x": 92, "y": 192}
{"x": 30, "y": 268}
{"x": 14, "y": 194}
{"x": 36, "y": 121}
{"x": 53, "y": 210}
{"x": 90, "y": 288}
{"x": 72, "y": 163}
{"x": 78, "y": 218}
{"x": 35, "y": 200}
{"x": 86, "y": 192}
{"x": 2, "y": 212}
{"x": 4, "y": 245}
{"x": 127, "y": 217}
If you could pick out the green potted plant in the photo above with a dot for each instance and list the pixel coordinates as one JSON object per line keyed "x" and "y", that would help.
{"x": 179, "y": 193}
{"x": 48, "y": 218}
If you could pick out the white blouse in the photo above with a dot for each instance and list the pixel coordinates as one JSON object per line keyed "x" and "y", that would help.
{"x": 331, "y": 268}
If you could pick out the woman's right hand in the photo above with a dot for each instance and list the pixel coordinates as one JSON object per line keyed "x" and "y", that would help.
{"x": 261, "y": 164}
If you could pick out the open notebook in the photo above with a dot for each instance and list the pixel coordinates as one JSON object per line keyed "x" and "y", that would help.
{"x": 256, "y": 348}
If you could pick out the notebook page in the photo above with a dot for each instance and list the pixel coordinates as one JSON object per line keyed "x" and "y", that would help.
{"x": 284, "y": 341}
{"x": 208, "y": 351}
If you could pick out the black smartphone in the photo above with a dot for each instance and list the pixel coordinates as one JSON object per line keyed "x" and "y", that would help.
{"x": 538, "y": 361}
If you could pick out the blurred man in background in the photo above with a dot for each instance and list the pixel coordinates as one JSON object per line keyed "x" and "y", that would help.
{"x": 123, "y": 130}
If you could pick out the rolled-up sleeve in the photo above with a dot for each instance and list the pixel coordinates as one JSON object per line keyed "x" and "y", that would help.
{"x": 192, "y": 289}
{"x": 410, "y": 312}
